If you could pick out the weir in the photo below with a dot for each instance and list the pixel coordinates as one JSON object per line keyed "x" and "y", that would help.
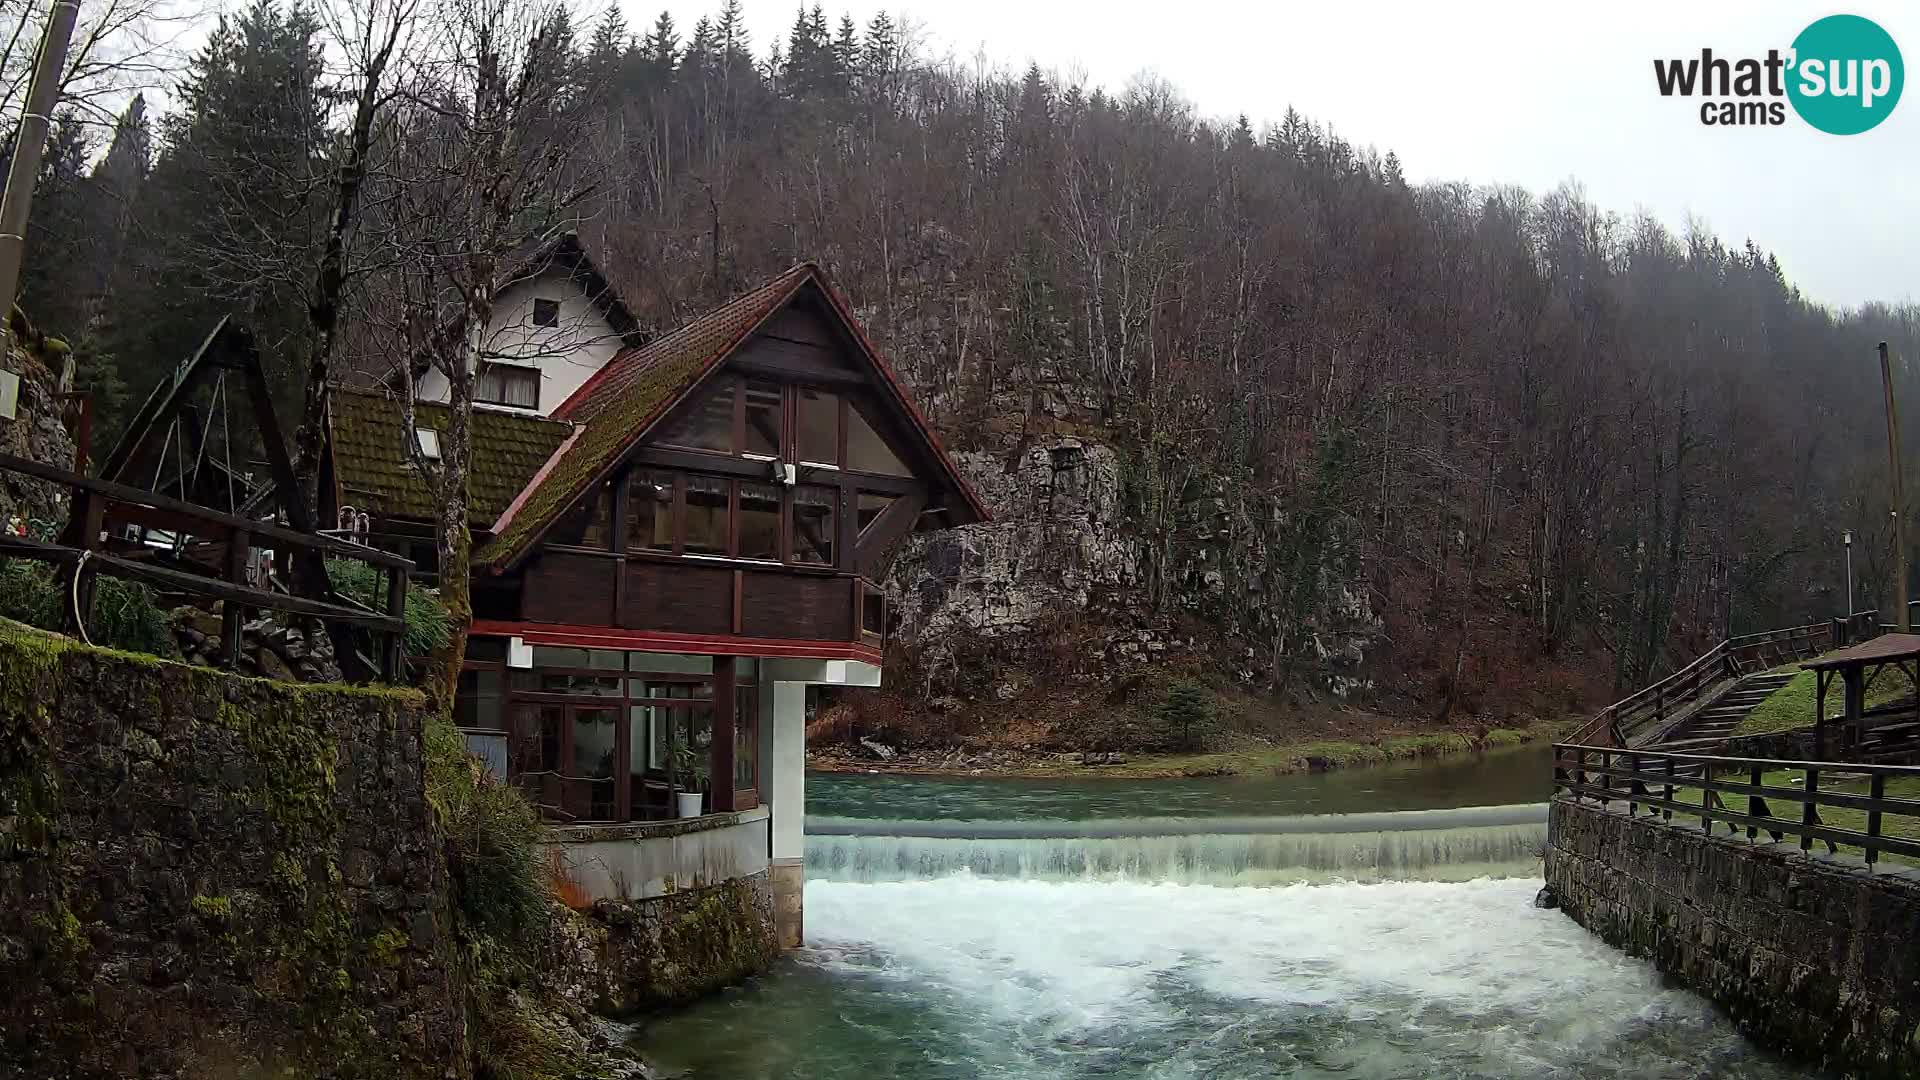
{"x": 1438, "y": 845}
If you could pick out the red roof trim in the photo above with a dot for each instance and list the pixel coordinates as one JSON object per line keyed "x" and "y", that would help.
{"x": 545, "y": 468}
{"x": 613, "y": 637}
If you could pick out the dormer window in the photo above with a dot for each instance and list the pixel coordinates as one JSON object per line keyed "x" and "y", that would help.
{"x": 508, "y": 384}
{"x": 546, "y": 312}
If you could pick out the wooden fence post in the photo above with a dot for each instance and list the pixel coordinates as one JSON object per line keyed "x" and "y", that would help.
{"x": 233, "y": 615}
{"x": 1876, "y": 791}
{"x": 393, "y": 656}
{"x": 1809, "y": 815}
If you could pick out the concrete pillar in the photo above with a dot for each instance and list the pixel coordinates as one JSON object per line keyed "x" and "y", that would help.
{"x": 786, "y": 780}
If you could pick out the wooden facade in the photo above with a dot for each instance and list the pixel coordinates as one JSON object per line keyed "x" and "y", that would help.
{"x": 694, "y": 575}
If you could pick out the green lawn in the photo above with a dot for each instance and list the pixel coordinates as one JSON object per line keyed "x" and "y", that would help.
{"x": 1301, "y": 757}
{"x": 1836, "y": 816}
{"x": 1791, "y": 706}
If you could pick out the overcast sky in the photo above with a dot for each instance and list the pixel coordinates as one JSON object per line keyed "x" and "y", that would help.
{"x": 1524, "y": 93}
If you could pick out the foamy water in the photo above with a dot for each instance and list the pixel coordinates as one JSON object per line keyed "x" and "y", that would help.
{"x": 964, "y": 976}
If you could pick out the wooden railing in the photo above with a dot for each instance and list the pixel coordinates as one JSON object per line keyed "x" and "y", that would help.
{"x": 1655, "y": 780}
{"x": 1651, "y": 706}
{"x": 85, "y": 545}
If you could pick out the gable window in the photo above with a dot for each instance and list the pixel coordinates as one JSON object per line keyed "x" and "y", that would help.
{"x": 763, "y": 418}
{"x": 546, "y": 312}
{"x": 817, "y": 439}
{"x": 508, "y": 384}
{"x": 589, "y": 522}
{"x": 708, "y": 424}
{"x": 866, "y": 450}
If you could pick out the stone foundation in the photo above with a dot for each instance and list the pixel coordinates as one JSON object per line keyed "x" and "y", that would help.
{"x": 1815, "y": 955}
{"x": 626, "y": 957}
{"x": 789, "y": 902}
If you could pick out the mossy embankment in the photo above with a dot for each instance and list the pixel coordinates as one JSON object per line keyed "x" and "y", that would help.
{"x": 1794, "y": 704}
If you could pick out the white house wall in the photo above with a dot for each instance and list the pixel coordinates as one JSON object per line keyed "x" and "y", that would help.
{"x": 567, "y": 353}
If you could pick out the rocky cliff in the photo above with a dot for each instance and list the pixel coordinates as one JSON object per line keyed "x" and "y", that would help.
{"x": 36, "y": 431}
{"x": 1059, "y": 588}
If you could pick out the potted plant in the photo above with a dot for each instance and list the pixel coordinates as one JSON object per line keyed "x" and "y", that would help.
{"x": 691, "y": 765}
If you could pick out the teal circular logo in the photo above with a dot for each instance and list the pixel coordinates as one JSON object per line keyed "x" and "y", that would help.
{"x": 1846, "y": 75}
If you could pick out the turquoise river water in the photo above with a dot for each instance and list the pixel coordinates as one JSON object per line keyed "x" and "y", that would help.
{"x": 1355, "y": 924}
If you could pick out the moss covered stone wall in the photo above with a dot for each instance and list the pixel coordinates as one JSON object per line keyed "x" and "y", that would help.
{"x": 209, "y": 876}
{"x": 1813, "y": 954}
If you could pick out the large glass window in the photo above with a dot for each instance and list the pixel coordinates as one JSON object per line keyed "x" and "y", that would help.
{"x": 574, "y": 684}
{"x": 763, "y": 418}
{"x": 589, "y": 787}
{"x": 813, "y": 524}
{"x": 706, "y": 515}
{"x": 818, "y": 437}
{"x": 867, "y": 451}
{"x": 534, "y": 757}
{"x": 707, "y": 424}
{"x": 591, "y": 740}
{"x": 759, "y": 521}
{"x": 677, "y": 662}
{"x": 649, "y": 511}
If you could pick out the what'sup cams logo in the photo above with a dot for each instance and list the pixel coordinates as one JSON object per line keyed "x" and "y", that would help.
{"x": 1843, "y": 75}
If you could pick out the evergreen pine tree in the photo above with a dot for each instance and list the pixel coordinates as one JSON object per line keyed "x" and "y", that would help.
{"x": 1243, "y": 134}
{"x": 661, "y": 49}
{"x": 53, "y": 288}
{"x": 228, "y": 216}
{"x": 846, "y": 53}
{"x": 878, "y": 53}
{"x": 730, "y": 34}
{"x": 600, "y": 67}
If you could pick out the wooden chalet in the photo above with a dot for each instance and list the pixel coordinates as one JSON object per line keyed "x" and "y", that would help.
{"x": 670, "y": 552}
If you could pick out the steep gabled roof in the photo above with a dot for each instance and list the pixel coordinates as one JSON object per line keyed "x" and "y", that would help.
{"x": 371, "y": 464}
{"x": 618, "y": 406}
{"x": 565, "y": 251}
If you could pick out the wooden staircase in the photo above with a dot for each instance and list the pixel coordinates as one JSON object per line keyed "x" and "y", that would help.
{"x": 1715, "y": 722}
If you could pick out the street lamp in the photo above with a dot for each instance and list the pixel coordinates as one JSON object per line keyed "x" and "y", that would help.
{"x": 1846, "y": 541}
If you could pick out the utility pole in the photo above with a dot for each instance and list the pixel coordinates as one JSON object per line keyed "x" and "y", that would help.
{"x": 29, "y": 143}
{"x": 1893, "y": 473}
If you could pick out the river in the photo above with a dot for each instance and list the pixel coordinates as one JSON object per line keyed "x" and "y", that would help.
{"x": 1351, "y": 924}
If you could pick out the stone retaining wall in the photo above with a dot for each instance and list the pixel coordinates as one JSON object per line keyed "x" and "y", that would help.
{"x": 210, "y": 876}
{"x": 1815, "y": 955}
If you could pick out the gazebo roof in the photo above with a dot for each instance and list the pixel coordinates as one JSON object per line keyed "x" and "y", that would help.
{"x": 1885, "y": 649}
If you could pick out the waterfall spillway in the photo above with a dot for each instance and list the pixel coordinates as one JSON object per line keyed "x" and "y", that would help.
{"x": 1454, "y": 844}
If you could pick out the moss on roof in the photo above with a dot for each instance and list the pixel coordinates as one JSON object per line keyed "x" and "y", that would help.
{"x": 373, "y": 465}
{"x": 627, "y": 397}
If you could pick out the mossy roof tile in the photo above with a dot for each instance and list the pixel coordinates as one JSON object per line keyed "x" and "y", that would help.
{"x": 375, "y": 473}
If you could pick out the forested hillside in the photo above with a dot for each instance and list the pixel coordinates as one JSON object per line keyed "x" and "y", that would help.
{"x": 1503, "y": 446}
